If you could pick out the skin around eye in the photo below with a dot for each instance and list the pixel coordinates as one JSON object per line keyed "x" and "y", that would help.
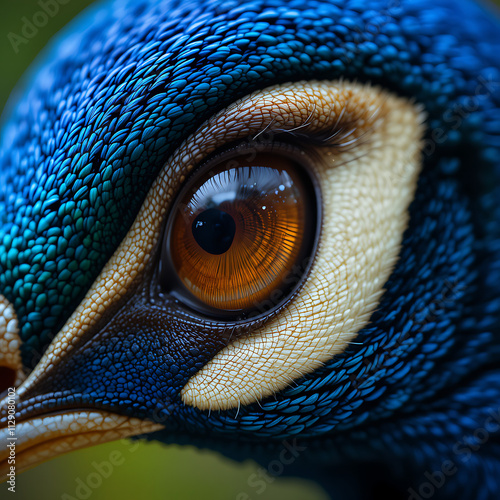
{"x": 241, "y": 233}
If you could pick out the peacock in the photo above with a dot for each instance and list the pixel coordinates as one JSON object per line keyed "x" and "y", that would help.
{"x": 267, "y": 228}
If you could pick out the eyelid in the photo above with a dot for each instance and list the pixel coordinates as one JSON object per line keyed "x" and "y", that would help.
{"x": 244, "y": 151}
{"x": 316, "y": 112}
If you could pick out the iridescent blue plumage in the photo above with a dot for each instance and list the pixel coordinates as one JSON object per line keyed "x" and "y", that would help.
{"x": 119, "y": 91}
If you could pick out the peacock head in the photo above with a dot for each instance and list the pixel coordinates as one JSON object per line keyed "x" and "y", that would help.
{"x": 234, "y": 224}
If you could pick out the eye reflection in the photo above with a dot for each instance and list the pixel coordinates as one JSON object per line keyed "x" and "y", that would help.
{"x": 238, "y": 233}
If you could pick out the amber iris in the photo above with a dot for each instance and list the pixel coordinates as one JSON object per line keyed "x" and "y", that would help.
{"x": 238, "y": 233}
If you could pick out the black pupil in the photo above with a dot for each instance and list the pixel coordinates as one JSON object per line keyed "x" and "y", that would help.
{"x": 214, "y": 231}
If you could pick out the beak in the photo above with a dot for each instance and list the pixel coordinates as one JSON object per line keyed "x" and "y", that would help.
{"x": 30, "y": 436}
{"x": 38, "y": 420}
{"x": 38, "y": 439}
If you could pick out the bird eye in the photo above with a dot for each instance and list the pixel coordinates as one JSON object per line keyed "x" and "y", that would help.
{"x": 241, "y": 234}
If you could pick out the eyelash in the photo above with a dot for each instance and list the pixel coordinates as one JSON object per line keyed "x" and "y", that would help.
{"x": 290, "y": 142}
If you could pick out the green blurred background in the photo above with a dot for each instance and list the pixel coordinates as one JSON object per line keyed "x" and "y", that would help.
{"x": 148, "y": 471}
